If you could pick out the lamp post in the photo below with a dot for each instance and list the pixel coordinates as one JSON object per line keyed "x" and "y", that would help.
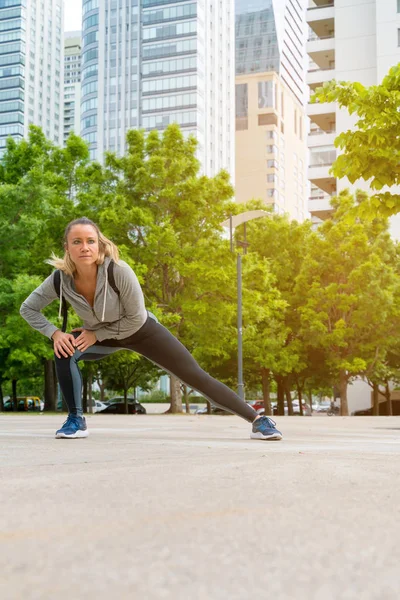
{"x": 231, "y": 223}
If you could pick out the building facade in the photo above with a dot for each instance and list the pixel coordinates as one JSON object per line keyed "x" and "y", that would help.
{"x": 149, "y": 63}
{"x": 31, "y": 56}
{"x": 271, "y": 150}
{"x": 348, "y": 41}
{"x": 72, "y": 83}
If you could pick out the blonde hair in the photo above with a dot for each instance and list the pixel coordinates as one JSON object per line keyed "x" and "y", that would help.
{"x": 106, "y": 248}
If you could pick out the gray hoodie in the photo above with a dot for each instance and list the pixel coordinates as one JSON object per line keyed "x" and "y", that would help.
{"x": 109, "y": 318}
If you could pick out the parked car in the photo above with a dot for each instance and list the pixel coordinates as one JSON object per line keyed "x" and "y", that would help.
{"x": 98, "y": 406}
{"x": 24, "y": 403}
{"x": 296, "y": 408}
{"x": 323, "y": 407}
{"x": 118, "y": 408}
{"x": 259, "y": 408}
{"x": 367, "y": 412}
{"x": 215, "y": 410}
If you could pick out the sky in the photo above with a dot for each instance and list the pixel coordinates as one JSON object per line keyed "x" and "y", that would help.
{"x": 72, "y": 15}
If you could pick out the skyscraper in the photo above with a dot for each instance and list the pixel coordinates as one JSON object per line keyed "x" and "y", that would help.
{"x": 31, "y": 56}
{"x": 271, "y": 150}
{"x": 147, "y": 64}
{"x": 72, "y": 83}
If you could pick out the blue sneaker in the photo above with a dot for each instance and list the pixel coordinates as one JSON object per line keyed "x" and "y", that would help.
{"x": 264, "y": 429}
{"x": 74, "y": 427}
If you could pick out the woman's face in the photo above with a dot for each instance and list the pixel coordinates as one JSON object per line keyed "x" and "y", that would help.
{"x": 83, "y": 245}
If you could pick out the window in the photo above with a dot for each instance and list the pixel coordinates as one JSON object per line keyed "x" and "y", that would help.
{"x": 398, "y": 6}
{"x": 272, "y": 149}
{"x": 272, "y": 178}
{"x": 272, "y": 164}
{"x": 323, "y": 155}
{"x": 241, "y": 99}
{"x": 266, "y": 94}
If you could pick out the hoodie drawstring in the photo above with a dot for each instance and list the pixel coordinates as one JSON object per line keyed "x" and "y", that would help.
{"x": 105, "y": 296}
{"x": 61, "y": 296}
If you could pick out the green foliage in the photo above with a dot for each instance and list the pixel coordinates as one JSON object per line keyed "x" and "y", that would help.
{"x": 125, "y": 370}
{"x": 352, "y": 302}
{"x": 156, "y": 396}
{"x": 371, "y": 151}
{"x": 316, "y": 305}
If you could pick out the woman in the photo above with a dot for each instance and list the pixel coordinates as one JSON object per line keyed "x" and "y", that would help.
{"x": 112, "y": 322}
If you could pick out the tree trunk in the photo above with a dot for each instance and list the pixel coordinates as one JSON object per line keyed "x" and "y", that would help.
{"x": 299, "y": 394}
{"x": 84, "y": 392}
{"x": 176, "y": 397}
{"x": 14, "y": 394}
{"x": 90, "y": 392}
{"x": 186, "y": 397}
{"x": 344, "y": 407}
{"x": 126, "y": 400}
{"x": 50, "y": 385}
{"x": 375, "y": 399}
{"x": 280, "y": 396}
{"x": 208, "y": 407}
{"x": 102, "y": 387}
{"x": 288, "y": 399}
{"x": 266, "y": 391}
{"x": 388, "y": 396}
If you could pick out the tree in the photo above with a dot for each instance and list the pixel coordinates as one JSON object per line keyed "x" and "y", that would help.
{"x": 372, "y": 150}
{"x": 37, "y": 198}
{"x": 273, "y": 344}
{"x": 125, "y": 370}
{"x": 351, "y": 287}
{"x": 165, "y": 218}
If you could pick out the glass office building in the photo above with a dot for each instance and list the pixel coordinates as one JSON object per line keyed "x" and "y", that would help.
{"x": 149, "y": 63}
{"x": 270, "y": 36}
{"x": 30, "y": 68}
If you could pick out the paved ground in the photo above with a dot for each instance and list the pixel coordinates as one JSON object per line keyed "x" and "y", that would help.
{"x": 188, "y": 508}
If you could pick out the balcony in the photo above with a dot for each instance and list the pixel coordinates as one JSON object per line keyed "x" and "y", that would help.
{"x": 321, "y": 18}
{"x": 323, "y": 114}
{"x": 320, "y": 138}
{"x": 322, "y": 12}
{"x": 317, "y": 77}
{"x": 320, "y": 176}
{"x": 320, "y": 206}
{"x": 316, "y": 44}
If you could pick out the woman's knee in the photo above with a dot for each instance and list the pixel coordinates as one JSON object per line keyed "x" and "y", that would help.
{"x": 63, "y": 359}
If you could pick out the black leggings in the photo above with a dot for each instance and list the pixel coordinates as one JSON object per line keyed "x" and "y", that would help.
{"x": 157, "y": 344}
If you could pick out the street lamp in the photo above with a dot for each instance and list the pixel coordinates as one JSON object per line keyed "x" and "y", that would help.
{"x": 231, "y": 223}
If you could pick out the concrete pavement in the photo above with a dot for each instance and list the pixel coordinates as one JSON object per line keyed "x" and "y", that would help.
{"x": 188, "y": 507}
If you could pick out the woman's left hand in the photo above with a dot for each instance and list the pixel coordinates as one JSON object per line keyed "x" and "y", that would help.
{"x": 85, "y": 339}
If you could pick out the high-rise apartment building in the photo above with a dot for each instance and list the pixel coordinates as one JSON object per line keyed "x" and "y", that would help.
{"x": 271, "y": 129}
{"x": 72, "y": 83}
{"x": 348, "y": 41}
{"x": 31, "y": 56}
{"x": 150, "y": 63}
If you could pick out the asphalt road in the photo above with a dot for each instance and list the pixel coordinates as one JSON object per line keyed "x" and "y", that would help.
{"x": 189, "y": 508}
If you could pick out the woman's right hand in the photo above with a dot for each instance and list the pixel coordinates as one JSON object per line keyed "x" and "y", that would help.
{"x": 64, "y": 344}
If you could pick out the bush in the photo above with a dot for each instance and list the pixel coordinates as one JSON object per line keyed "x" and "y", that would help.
{"x": 155, "y": 396}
